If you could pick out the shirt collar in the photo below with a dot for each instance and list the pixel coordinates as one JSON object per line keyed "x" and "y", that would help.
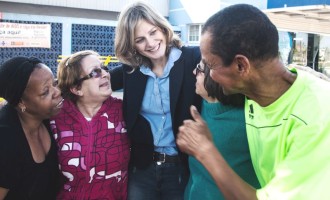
{"x": 174, "y": 55}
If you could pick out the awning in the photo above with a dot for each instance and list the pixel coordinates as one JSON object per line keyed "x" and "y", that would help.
{"x": 310, "y": 19}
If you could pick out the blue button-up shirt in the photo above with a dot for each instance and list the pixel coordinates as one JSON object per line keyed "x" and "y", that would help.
{"x": 156, "y": 106}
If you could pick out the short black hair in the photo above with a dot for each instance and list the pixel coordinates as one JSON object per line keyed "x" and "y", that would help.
{"x": 242, "y": 29}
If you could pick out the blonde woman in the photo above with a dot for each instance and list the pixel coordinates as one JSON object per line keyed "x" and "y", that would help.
{"x": 159, "y": 87}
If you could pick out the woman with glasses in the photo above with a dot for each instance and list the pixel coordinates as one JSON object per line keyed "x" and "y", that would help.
{"x": 158, "y": 88}
{"x": 224, "y": 115}
{"x": 28, "y": 160}
{"x": 90, "y": 131}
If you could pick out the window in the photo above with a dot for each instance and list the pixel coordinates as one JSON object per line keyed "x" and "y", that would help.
{"x": 195, "y": 32}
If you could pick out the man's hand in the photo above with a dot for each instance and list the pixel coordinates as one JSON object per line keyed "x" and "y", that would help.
{"x": 194, "y": 136}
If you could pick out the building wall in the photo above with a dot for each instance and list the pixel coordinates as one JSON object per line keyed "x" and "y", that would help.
{"x": 91, "y": 24}
{"x": 44, "y": 11}
{"x": 74, "y": 27}
{"x": 101, "y": 5}
{"x": 48, "y": 55}
{"x": 311, "y": 49}
{"x": 68, "y": 35}
{"x": 291, "y": 3}
{"x": 184, "y": 13}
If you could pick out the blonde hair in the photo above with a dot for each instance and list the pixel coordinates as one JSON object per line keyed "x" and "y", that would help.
{"x": 127, "y": 22}
{"x": 69, "y": 71}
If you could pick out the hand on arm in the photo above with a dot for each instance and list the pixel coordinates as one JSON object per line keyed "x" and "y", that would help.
{"x": 311, "y": 71}
{"x": 195, "y": 139}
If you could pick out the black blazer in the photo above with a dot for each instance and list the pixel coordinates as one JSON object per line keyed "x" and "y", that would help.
{"x": 182, "y": 96}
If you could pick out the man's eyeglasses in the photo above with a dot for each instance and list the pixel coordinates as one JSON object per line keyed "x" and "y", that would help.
{"x": 96, "y": 73}
{"x": 199, "y": 69}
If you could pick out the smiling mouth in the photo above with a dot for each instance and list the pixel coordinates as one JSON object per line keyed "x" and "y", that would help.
{"x": 59, "y": 104}
{"x": 106, "y": 84}
{"x": 155, "y": 48}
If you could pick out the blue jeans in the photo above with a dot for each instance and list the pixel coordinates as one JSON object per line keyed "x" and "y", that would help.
{"x": 157, "y": 182}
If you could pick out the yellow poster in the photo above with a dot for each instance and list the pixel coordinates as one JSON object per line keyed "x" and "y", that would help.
{"x": 14, "y": 35}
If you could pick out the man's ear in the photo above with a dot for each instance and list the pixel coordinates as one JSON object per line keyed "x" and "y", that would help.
{"x": 243, "y": 63}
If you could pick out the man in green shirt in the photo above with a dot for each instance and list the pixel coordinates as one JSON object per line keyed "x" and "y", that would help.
{"x": 286, "y": 111}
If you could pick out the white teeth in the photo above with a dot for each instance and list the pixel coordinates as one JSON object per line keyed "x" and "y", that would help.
{"x": 60, "y": 104}
{"x": 154, "y": 49}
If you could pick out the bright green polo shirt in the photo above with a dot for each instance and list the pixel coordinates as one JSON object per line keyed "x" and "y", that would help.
{"x": 289, "y": 141}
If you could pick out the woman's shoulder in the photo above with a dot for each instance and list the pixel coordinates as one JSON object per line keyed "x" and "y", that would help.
{"x": 112, "y": 106}
{"x": 10, "y": 136}
{"x": 190, "y": 48}
{"x": 8, "y": 116}
{"x": 191, "y": 52}
{"x": 114, "y": 102}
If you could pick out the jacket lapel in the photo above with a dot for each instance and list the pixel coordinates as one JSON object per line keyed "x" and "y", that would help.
{"x": 136, "y": 84}
{"x": 176, "y": 78}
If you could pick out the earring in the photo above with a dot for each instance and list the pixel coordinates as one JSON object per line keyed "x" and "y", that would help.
{"x": 23, "y": 109}
{"x": 138, "y": 59}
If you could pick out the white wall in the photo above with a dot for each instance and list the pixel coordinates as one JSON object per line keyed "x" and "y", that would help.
{"x": 185, "y": 12}
{"x": 103, "y": 5}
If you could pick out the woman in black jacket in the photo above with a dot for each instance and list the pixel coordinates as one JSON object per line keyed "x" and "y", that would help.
{"x": 158, "y": 86}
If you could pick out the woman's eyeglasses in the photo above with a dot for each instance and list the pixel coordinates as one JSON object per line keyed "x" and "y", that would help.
{"x": 96, "y": 73}
{"x": 199, "y": 69}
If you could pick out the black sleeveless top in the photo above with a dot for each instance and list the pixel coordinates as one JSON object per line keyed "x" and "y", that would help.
{"x": 19, "y": 173}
